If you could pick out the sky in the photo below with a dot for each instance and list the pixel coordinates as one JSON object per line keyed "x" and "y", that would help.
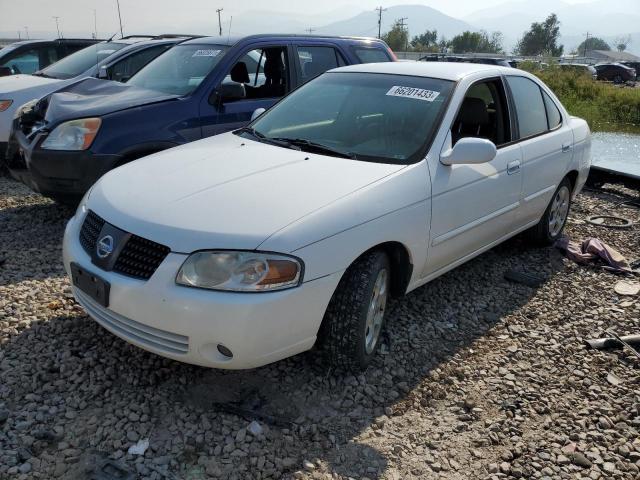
{"x": 141, "y": 15}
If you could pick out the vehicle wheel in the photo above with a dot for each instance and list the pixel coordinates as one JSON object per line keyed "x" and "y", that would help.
{"x": 350, "y": 331}
{"x": 555, "y": 216}
{"x": 617, "y": 79}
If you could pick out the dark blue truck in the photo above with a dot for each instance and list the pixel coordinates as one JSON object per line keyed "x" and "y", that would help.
{"x": 63, "y": 143}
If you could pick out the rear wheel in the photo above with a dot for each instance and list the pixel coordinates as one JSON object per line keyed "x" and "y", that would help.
{"x": 617, "y": 79}
{"x": 550, "y": 227}
{"x": 350, "y": 332}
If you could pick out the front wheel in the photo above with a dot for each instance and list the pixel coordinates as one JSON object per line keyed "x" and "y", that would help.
{"x": 550, "y": 227}
{"x": 350, "y": 333}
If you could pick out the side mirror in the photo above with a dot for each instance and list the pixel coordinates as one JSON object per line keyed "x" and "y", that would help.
{"x": 470, "y": 150}
{"x": 257, "y": 112}
{"x": 229, "y": 92}
{"x": 103, "y": 73}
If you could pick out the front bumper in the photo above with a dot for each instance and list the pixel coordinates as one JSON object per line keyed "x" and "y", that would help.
{"x": 55, "y": 173}
{"x": 187, "y": 324}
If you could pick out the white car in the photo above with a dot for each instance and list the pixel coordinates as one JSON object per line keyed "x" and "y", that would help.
{"x": 103, "y": 60}
{"x": 369, "y": 181}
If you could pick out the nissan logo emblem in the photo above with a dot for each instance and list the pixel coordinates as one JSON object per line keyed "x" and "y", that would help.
{"x": 104, "y": 248}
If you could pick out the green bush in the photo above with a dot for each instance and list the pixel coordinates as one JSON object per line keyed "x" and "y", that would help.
{"x": 606, "y": 107}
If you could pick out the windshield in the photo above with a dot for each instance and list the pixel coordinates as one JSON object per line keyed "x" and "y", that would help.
{"x": 81, "y": 61}
{"x": 180, "y": 70}
{"x": 364, "y": 116}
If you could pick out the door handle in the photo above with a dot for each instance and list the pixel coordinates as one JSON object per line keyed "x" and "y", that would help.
{"x": 513, "y": 167}
{"x": 566, "y": 147}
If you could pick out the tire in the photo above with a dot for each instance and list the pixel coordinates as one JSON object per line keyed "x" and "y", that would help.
{"x": 350, "y": 335}
{"x": 550, "y": 227}
{"x": 617, "y": 79}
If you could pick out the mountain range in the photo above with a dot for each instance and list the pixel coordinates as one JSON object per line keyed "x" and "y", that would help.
{"x": 607, "y": 19}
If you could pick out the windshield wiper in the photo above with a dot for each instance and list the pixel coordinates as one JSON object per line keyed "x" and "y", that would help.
{"x": 318, "y": 147}
{"x": 41, "y": 74}
{"x": 262, "y": 138}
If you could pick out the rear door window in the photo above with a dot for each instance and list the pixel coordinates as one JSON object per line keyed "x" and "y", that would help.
{"x": 554, "y": 119}
{"x": 530, "y": 108}
{"x": 316, "y": 60}
{"x": 371, "y": 54}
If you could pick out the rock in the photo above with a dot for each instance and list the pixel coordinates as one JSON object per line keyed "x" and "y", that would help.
{"x": 562, "y": 460}
{"x": 308, "y": 466}
{"x": 580, "y": 460}
{"x": 255, "y": 429}
{"x": 25, "y": 468}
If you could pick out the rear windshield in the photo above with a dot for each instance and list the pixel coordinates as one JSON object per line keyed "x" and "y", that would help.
{"x": 364, "y": 116}
{"x": 371, "y": 54}
{"x": 180, "y": 70}
{"x": 81, "y": 61}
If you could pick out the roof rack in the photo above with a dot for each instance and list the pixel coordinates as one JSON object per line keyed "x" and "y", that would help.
{"x": 177, "y": 35}
{"x": 136, "y": 36}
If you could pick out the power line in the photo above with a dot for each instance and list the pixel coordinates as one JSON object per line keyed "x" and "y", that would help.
{"x": 585, "y": 45}
{"x": 219, "y": 10}
{"x": 380, "y": 10}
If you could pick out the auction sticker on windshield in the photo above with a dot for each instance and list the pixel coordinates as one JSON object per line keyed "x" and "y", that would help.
{"x": 411, "y": 92}
{"x": 206, "y": 53}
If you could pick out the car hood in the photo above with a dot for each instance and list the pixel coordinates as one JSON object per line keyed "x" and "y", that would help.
{"x": 93, "y": 97}
{"x": 225, "y": 192}
{"x": 14, "y": 83}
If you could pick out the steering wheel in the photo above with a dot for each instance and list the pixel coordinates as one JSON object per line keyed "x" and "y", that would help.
{"x": 15, "y": 69}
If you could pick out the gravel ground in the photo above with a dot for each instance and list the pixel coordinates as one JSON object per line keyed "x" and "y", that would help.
{"x": 479, "y": 378}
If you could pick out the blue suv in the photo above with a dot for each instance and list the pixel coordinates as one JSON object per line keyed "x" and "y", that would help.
{"x": 62, "y": 144}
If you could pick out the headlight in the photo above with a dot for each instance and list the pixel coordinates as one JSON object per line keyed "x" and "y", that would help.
{"x": 240, "y": 271}
{"x": 4, "y": 104}
{"x": 73, "y": 135}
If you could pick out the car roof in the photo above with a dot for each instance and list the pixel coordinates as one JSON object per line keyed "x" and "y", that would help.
{"x": 233, "y": 39}
{"x": 445, "y": 70}
{"x": 21, "y": 43}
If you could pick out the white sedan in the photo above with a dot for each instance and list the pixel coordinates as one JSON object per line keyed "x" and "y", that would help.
{"x": 367, "y": 182}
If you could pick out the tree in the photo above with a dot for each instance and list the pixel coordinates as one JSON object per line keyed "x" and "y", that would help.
{"x": 397, "y": 38}
{"x": 541, "y": 39}
{"x": 477, "y": 42}
{"x": 427, "y": 42}
{"x": 593, "y": 43}
{"x": 622, "y": 42}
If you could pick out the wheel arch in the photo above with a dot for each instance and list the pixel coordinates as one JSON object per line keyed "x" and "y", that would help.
{"x": 142, "y": 150}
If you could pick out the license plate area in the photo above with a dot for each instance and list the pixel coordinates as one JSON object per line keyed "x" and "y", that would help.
{"x": 91, "y": 284}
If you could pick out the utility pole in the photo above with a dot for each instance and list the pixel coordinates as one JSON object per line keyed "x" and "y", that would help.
{"x": 405, "y": 27}
{"x": 120, "y": 18}
{"x": 585, "y": 45}
{"x": 95, "y": 24}
{"x": 380, "y": 10}
{"x": 57, "y": 28}
{"x": 311, "y": 30}
{"x": 26, "y": 29}
{"x": 219, "y": 10}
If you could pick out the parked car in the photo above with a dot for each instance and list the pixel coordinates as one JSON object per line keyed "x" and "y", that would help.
{"x": 580, "y": 68}
{"x": 634, "y": 65}
{"x": 615, "y": 72}
{"x": 116, "y": 60}
{"x": 200, "y": 88}
{"x": 367, "y": 182}
{"x": 30, "y": 56}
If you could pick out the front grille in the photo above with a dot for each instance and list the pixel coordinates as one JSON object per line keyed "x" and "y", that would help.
{"x": 145, "y": 335}
{"x": 139, "y": 258}
{"x": 90, "y": 231}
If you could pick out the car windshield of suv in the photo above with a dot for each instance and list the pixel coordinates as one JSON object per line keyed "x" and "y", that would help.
{"x": 80, "y": 61}
{"x": 179, "y": 70}
{"x": 362, "y": 116}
